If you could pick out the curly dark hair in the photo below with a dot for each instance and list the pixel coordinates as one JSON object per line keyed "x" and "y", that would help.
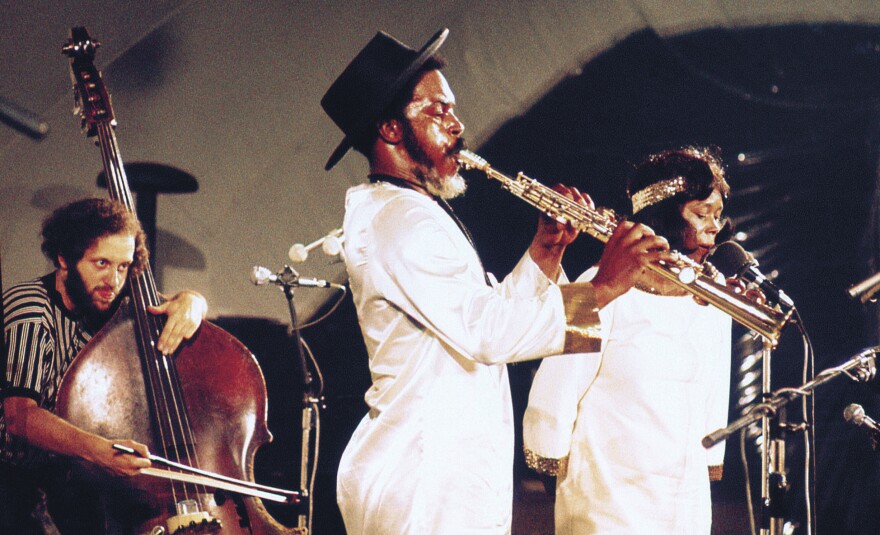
{"x": 702, "y": 171}
{"x": 75, "y": 227}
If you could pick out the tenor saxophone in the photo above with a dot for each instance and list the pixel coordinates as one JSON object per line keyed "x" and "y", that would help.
{"x": 701, "y": 280}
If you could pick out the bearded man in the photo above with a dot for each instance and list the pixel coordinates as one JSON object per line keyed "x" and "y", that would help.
{"x": 434, "y": 454}
{"x": 94, "y": 244}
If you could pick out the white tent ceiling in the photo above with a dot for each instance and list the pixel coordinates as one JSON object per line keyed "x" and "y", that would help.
{"x": 230, "y": 91}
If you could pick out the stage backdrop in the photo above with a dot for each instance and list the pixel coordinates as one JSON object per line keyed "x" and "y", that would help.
{"x": 567, "y": 91}
{"x": 229, "y": 92}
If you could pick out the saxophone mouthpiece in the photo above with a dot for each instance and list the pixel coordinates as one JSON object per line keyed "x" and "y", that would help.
{"x": 469, "y": 160}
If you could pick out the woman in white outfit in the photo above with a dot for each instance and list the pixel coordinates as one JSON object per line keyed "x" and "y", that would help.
{"x": 621, "y": 428}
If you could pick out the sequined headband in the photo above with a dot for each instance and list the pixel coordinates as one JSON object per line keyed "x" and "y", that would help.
{"x": 659, "y": 191}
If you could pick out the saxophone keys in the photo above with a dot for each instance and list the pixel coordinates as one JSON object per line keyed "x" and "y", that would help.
{"x": 756, "y": 296}
{"x": 687, "y": 275}
{"x": 736, "y": 285}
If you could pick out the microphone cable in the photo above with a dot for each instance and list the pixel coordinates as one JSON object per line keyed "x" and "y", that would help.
{"x": 808, "y": 414}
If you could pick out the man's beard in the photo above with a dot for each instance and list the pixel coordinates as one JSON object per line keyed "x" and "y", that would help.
{"x": 93, "y": 317}
{"x": 426, "y": 172}
{"x": 449, "y": 188}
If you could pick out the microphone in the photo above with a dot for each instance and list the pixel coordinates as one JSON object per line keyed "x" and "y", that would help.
{"x": 864, "y": 291}
{"x": 288, "y": 277}
{"x": 331, "y": 244}
{"x": 732, "y": 260}
{"x": 855, "y": 414}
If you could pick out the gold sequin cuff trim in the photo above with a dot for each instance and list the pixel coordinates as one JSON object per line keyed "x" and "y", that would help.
{"x": 715, "y": 472}
{"x": 547, "y": 466}
{"x": 659, "y": 191}
{"x": 582, "y": 332}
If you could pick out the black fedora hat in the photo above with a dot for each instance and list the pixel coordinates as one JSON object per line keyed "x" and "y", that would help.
{"x": 370, "y": 83}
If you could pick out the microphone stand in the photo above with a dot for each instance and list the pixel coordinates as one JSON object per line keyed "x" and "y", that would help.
{"x": 288, "y": 279}
{"x": 860, "y": 368}
{"x": 774, "y": 482}
{"x": 310, "y": 404}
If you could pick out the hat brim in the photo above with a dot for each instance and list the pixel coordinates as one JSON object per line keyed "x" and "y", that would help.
{"x": 429, "y": 49}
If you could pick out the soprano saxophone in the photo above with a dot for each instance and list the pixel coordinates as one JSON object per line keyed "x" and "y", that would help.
{"x": 698, "y": 279}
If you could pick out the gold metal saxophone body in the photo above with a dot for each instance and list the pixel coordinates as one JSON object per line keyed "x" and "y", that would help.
{"x": 701, "y": 280}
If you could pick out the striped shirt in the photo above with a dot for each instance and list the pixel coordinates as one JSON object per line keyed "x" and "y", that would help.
{"x": 42, "y": 339}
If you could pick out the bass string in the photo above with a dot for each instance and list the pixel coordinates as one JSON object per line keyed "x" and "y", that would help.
{"x": 164, "y": 392}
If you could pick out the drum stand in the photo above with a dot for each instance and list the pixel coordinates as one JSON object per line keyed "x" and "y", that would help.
{"x": 771, "y": 411}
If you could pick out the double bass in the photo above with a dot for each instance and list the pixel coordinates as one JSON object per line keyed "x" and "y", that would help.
{"x": 203, "y": 408}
